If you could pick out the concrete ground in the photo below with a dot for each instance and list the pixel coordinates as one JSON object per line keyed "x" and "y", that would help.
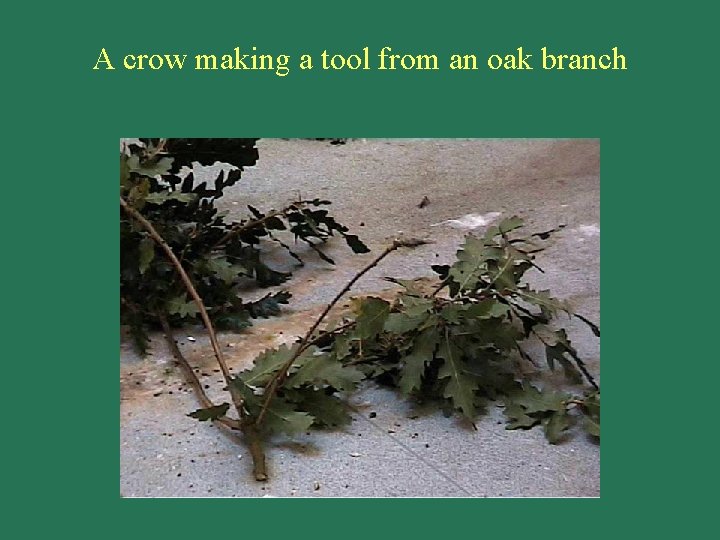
{"x": 376, "y": 186}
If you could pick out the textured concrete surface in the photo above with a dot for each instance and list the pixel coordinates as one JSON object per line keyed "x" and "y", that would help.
{"x": 376, "y": 186}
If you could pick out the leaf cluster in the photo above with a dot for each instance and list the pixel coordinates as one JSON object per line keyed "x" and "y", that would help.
{"x": 309, "y": 395}
{"x": 460, "y": 346}
{"x": 463, "y": 344}
{"x": 219, "y": 255}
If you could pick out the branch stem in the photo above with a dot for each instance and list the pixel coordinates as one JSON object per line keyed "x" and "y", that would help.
{"x": 190, "y": 375}
{"x": 160, "y": 241}
{"x": 248, "y": 428}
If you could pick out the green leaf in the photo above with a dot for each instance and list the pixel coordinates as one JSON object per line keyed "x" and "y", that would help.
{"x": 499, "y": 333}
{"x": 224, "y": 269}
{"x": 487, "y": 309}
{"x": 282, "y": 417}
{"x": 470, "y": 264}
{"x": 146, "y": 253}
{"x": 556, "y": 347}
{"x": 556, "y": 425}
{"x": 341, "y": 346}
{"x": 328, "y": 411}
{"x": 268, "y": 305}
{"x": 528, "y": 406}
{"x": 534, "y": 400}
{"x": 371, "y": 315}
{"x": 556, "y": 353}
{"x": 549, "y": 306}
{"x": 510, "y": 224}
{"x": 460, "y": 388}
{"x": 503, "y": 273}
{"x": 454, "y": 313}
{"x": 517, "y": 419}
{"x": 325, "y": 370}
{"x": 266, "y": 364}
{"x": 401, "y": 323}
{"x": 414, "y": 306}
{"x": 419, "y": 358}
{"x": 275, "y": 224}
{"x": 505, "y": 226}
{"x": 211, "y": 413}
{"x": 181, "y": 306}
{"x": 356, "y": 244}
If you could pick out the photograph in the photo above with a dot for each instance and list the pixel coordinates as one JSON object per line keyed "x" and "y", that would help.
{"x": 348, "y": 317}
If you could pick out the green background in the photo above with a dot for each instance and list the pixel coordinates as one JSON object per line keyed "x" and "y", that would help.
{"x": 656, "y": 123}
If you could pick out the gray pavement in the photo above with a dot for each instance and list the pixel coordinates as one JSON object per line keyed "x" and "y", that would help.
{"x": 375, "y": 186}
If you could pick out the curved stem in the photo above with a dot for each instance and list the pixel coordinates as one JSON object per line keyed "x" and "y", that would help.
{"x": 160, "y": 241}
{"x": 191, "y": 377}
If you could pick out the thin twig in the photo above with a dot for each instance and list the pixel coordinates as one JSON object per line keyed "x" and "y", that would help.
{"x": 581, "y": 364}
{"x": 327, "y": 333}
{"x": 249, "y": 225}
{"x": 190, "y": 375}
{"x": 439, "y": 287}
{"x": 592, "y": 325}
{"x": 281, "y": 374}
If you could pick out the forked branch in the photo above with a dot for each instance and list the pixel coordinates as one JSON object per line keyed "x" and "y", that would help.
{"x": 248, "y": 429}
